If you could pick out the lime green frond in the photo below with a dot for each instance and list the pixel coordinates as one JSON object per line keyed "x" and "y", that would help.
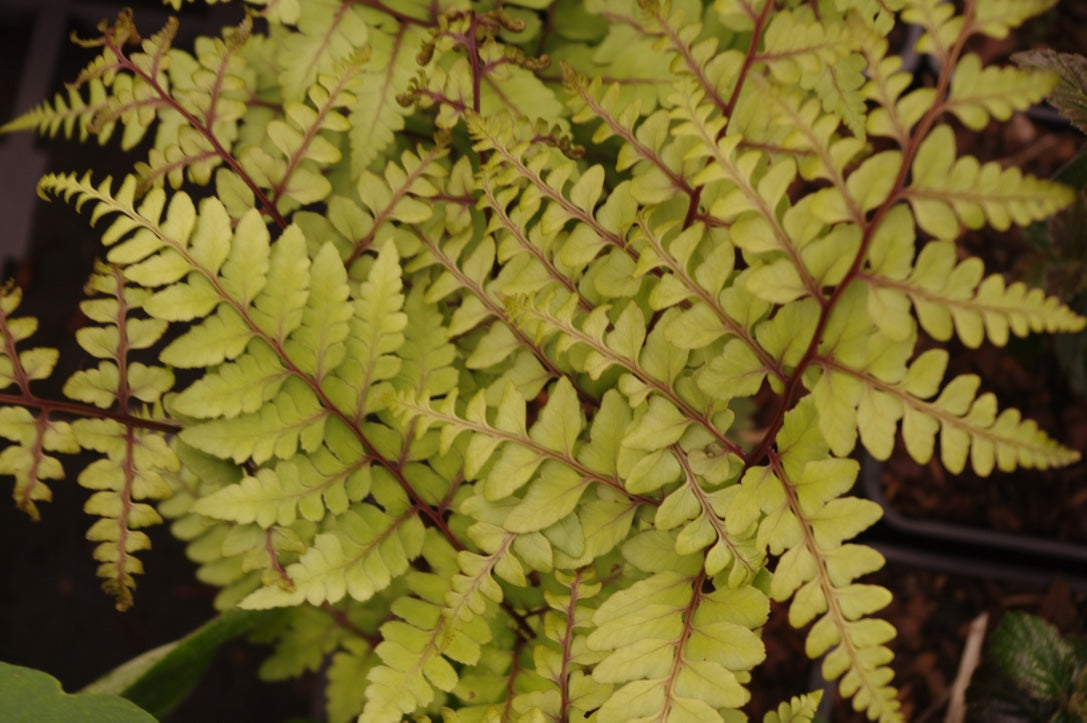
{"x": 672, "y": 648}
{"x": 947, "y": 193}
{"x": 806, "y": 521}
{"x": 422, "y": 643}
{"x": 952, "y": 297}
{"x": 564, "y": 653}
{"x": 31, "y": 436}
{"x": 979, "y": 94}
{"x": 681, "y": 29}
{"x": 996, "y": 18}
{"x": 120, "y": 90}
{"x": 213, "y": 85}
{"x": 327, "y": 32}
{"x": 522, "y": 351}
{"x": 875, "y": 397}
{"x": 376, "y": 116}
{"x": 359, "y": 557}
{"x": 68, "y": 113}
{"x": 305, "y": 140}
{"x": 135, "y": 459}
{"x": 402, "y": 194}
{"x": 799, "y": 50}
{"x": 798, "y": 709}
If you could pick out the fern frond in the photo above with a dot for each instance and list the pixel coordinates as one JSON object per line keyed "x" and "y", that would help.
{"x": 376, "y": 116}
{"x": 368, "y": 548}
{"x": 478, "y": 414}
{"x": 210, "y": 91}
{"x": 801, "y": 50}
{"x": 374, "y": 334}
{"x": 675, "y": 649}
{"x": 947, "y": 193}
{"x": 695, "y": 52}
{"x": 871, "y": 394}
{"x": 32, "y": 437}
{"x": 998, "y": 17}
{"x": 305, "y": 138}
{"x": 115, "y": 95}
{"x": 328, "y": 31}
{"x": 135, "y": 459}
{"x": 898, "y": 111}
{"x": 979, "y": 94}
{"x": 658, "y": 165}
{"x": 403, "y": 194}
{"x": 67, "y": 114}
{"x": 798, "y": 709}
{"x": 309, "y": 486}
{"x": 417, "y": 648}
{"x": 568, "y": 690}
{"x": 806, "y": 521}
{"x": 953, "y": 297}
{"x": 551, "y": 440}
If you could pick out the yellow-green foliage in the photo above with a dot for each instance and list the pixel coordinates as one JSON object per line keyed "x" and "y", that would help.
{"x": 472, "y": 317}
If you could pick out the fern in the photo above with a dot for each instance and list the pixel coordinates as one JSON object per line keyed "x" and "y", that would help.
{"x": 471, "y": 315}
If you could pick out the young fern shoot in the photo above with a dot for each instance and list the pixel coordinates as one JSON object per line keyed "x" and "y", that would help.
{"x": 474, "y": 307}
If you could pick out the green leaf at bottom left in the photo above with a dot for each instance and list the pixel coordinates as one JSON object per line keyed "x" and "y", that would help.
{"x": 31, "y": 696}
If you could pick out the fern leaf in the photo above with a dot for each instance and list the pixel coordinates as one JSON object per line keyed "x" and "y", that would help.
{"x": 27, "y": 459}
{"x": 308, "y": 486}
{"x": 306, "y": 138}
{"x": 376, "y": 116}
{"x": 347, "y": 667}
{"x": 33, "y": 437}
{"x": 800, "y": 50}
{"x": 994, "y": 307}
{"x": 997, "y": 18}
{"x": 67, "y": 114}
{"x": 131, "y": 471}
{"x": 401, "y": 194}
{"x": 947, "y": 193}
{"x": 806, "y": 516}
{"x": 426, "y": 357}
{"x": 798, "y": 709}
{"x": 978, "y": 94}
{"x": 317, "y": 347}
{"x": 417, "y": 648}
{"x": 328, "y": 32}
{"x": 565, "y": 658}
{"x": 294, "y": 419}
{"x": 367, "y": 549}
{"x": 674, "y": 649}
{"x": 135, "y": 459}
{"x": 212, "y": 85}
{"x": 120, "y": 91}
{"x": 375, "y": 333}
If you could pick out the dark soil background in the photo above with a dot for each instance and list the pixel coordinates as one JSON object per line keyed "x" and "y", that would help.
{"x": 53, "y": 615}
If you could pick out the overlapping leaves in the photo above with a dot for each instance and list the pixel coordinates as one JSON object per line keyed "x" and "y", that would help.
{"x": 477, "y": 411}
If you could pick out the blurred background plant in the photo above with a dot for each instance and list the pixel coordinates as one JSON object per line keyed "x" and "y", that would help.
{"x": 1032, "y": 673}
{"x": 1060, "y": 263}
